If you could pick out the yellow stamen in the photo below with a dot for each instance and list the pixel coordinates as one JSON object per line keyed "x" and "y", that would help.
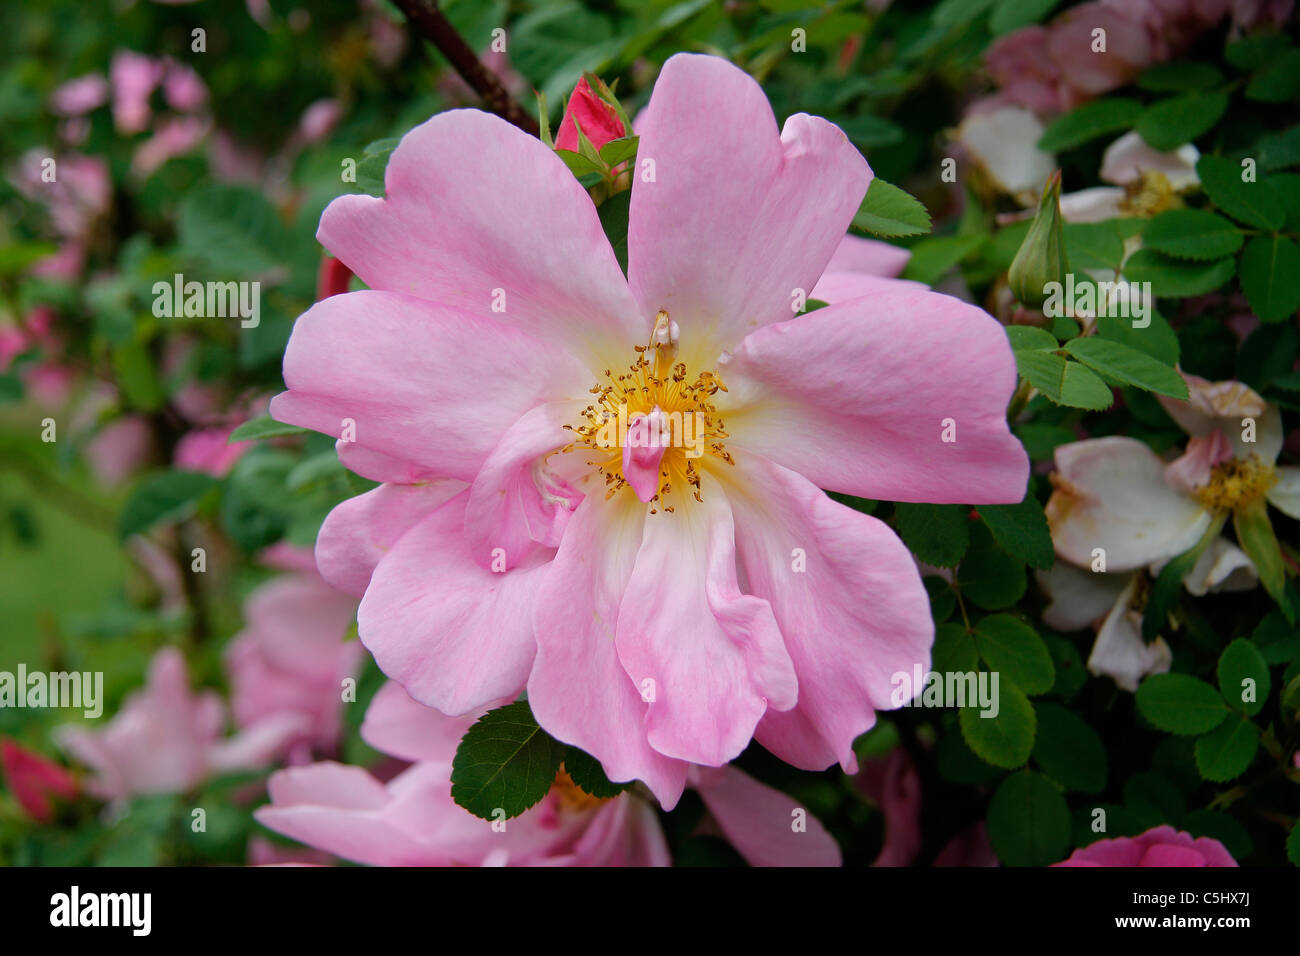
{"x": 694, "y": 428}
{"x": 1235, "y": 484}
{"x": 571, "y": 796}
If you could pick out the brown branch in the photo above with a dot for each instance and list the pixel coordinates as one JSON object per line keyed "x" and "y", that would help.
{"x": 429, "y": 22}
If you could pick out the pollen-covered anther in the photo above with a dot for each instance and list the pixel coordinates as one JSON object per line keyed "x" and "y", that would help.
{"x": 1235, "y": 484}
{"x": 653, "y": 427}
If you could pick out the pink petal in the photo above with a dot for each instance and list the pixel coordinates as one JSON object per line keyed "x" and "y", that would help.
{"x": 868, "y": 257}
{"x": 400, "y": 726}
{"x": 360, "y": 531}
{"x": 759, "y": 821}
{"x": 475, "y": 205}
{"x": 578, "y": 690}
{"x": 738, "y": 216}
{"x": 856, "y": 616}
{"x": 455, "y": 634}
{"x": 715, "y": 655}
{"x": 624, "y": 832}
{"x": 516, "y": 503}
{"x": 422, "y": 383}
{"x": 859, "y": 397}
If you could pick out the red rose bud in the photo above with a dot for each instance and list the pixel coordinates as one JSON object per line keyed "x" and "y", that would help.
{"x": 333, "y": 278}
{"x": 599, "y": 121}
{"x": 33, "y": 780}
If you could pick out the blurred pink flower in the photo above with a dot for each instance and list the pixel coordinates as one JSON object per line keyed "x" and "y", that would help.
{"x": 209, "y": 450}
{"x": 183, "y": 89}
{"x": 1054, "y": 67}
{"x": 119, "y": 449}
{"x": 166, "y": 739}
{"x": 319, "y": 119}
{"x": 35, "y": 781}
{"x": 1161, "y": 846}
{"x": 412, "y": 820}
{"x": 79, "y": 194}
{"x": 80, "y": 95}
{"x": 599, "y": 590}
{"x": 174, "y": 136}
{"x": 134, "y": 77}
{"x": 292, "y": 657}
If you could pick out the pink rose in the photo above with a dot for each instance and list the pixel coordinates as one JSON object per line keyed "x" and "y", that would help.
{"x": 1159, "y": 846}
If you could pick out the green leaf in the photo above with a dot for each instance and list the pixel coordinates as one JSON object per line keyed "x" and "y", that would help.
{"x": 936, "y": 534}
{"x": 1030, "y": 337}
{"x": 580, "y": 165}
{"x": 16, "y": 257}
{"x": 888, "y": 211}
{"x": 1241, "y": 662}
{"x": 1127, "y": 365}
{"x": 1007, "y": 739}
{"x": 264, "y": 427}
{"x": 932, "y": 258}
{"x": 1021, "y": 530}
{"x": 1065, "y": 383}
{"x": 1227, "y": 751}
{"x": 619, "y": 150}
{"x": 613, "y": 213}
{"x": 1068, "y": 750}
{"x": 988, "y": 575}
{"x": 1094, "y": 245}
{"x": 1013, "y": 648}
{"x": 1254, "y": 203}
{"x": 162, "y": 498}
{"x": 1255, "y": 536}
{"x": 1293, "y": 844}
{"x": 1277, "y": 80}
{"x": 1158, "y": 339}
{"x": 1177, "y": 278}
{"x": 942, "y": 600}
{"x": 504, "y": 762}
{"x": 1011, "y": 15}
{"x": 374, "y": 164}
{"x": 133, "y": 368}
{"x": 1270, "y": 277}
{"x": 954, "y": 649}
{"x": 233, "y": 230}
{"x": 1087, "y": 122}
{"x": 1180, "y": 119}
{"x": 1071, "y": 674}
{"x": 1192, "y": 234}
{"x": 1251, "y": 52}
{"x": 1041, "y": 441}
{"x": 1180, "y": 704}
{"x": 1179, "y": 77}
{"x": 586, "y": 771}
{"x": 1029, "y": 821}
{"x": 1278, "y": 150}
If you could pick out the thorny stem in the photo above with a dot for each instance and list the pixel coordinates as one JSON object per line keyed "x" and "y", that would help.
{"x": 427, "y": 20}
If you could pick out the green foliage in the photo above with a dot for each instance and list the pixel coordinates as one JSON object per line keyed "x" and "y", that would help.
{"x": 505, "y": 764}
{"x": 890, "y": 212}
